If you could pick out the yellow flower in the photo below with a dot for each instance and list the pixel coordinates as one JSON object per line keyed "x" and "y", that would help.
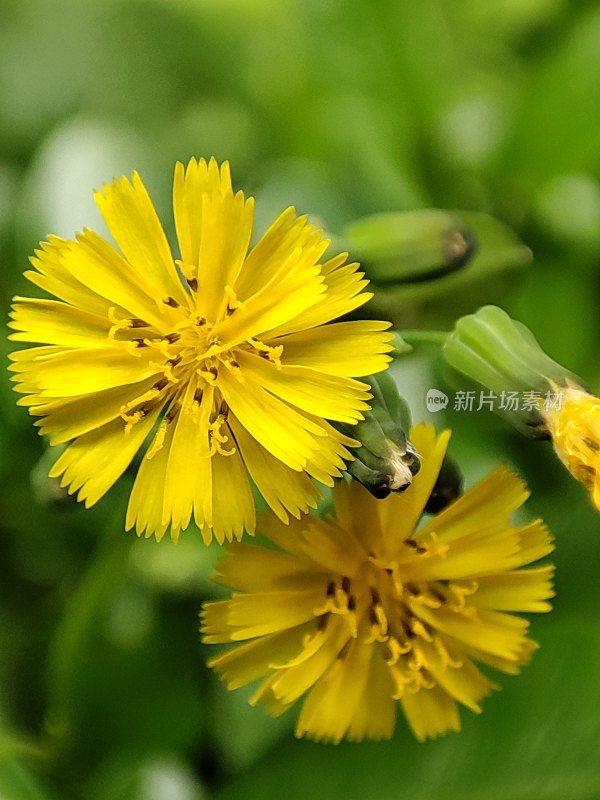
{"x": 361, "y": 611}
{"x": 223, "y": 359}
{"x": 573, "y": 422}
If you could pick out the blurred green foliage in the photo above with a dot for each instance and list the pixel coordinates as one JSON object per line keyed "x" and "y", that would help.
{"x": 345, "y": 108}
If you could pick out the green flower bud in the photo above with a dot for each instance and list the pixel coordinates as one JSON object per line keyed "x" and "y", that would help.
{"x": 492, "y": 351}
{"x": 448, "y": 486}
{"x": 410, "y": 246}
{"x": 496, "y": 353}
{"x": 385, "y": 461}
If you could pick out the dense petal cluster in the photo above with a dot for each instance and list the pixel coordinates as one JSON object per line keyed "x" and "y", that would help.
{"x": 574, "y": 427}
{"x": 368, "y": 610}
{"x": 224, "y": 359}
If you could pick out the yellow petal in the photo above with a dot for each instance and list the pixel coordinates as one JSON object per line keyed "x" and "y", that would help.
{"x": 430, "y": 713}
{"x": 132, "y": 220}
{"x": 226, "y": 230}
{"x": 145, "y": 507}
{"x": 232, "y": 501}
{"x": 94, "y": 461}
{"x": 284, "y": 489}
{"x": 188, "y": 474}
{"x": 94, "y": 261}
{"x": 329, "y": 459}
{"x": 332, "y": 547}
{"x": 318, "y": 654}
{"x": 247, "y": 662}
{"x": 375, "y": 715}
{"x": 262, "y": 613}
{"x": 344, "y": 285}
{"x": 466, "y": 684}
{"x": 401, "y": 512}
{"x": 499, "y": 634}
{"x": 285, "y": 433}
{"x": 342, "y": 348}
{"x": 51, "y": 275}
{"x": 57, "y": 323}
{"x": 332, "y": 703}
{"x": 297, "y": 286}
{"x": 520, "y": 590}
{"x": 319, "y": 394}
{"x": 358, "y": 511}
{"x": 79, "y": 372}
{"x": 67, "y": 419}
{"x": 286, "y": 235}
{"x": 497, "y": 495}
{"x": 250, "y": 568}
{"x": 190, "y": 185}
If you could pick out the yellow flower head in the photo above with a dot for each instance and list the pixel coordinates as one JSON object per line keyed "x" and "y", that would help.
{"x": 222, "y": 358}
{"x": 359, "y": 612}
{"x": 574, "y": 427}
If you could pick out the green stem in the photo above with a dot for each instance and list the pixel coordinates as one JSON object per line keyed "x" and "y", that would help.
{"x": 415, "y": 338}
{"x": 85, "y": 605}
{"x": 15, "y": 746}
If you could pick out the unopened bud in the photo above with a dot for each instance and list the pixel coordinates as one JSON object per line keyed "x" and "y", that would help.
{"x": 492, "y": 351}
{"x": 410, "y": 246}
{"x": 385, "y": 461}
{"x": 448, "y": 487}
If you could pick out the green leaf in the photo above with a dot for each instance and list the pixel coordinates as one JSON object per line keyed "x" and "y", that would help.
{"x": 18, "y": 783}
{"x": 537, "y": 739}
{"x": 493, "y": 270}
{"x": 558, "y": 119}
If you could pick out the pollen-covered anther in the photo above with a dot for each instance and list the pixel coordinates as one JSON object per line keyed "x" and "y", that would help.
{"x": 419, "y": 629}
{"x": 210, "y": 375}
{"x": 396, "y": 648}
{"x": 423, "y": 680}
{"x": 272, "y": 354}
{"x": 132, "y": 419}
{"x": 378, "y": 625}
{"x": 135, "y": 410}
{"x": 425, "y": 596}
{"x": 390, "y": 568}
{"x": 461, "y": 590}
{"x": 167, "y": 367}
{"x": 377, "y": 611}
{"x": 159, "y": 438}
{"x": 446, "y": 658}
{"x": 218, "y": 438}
{"x": 232, "y": 302}
{"x": 431, "y": 546}
{"x": 233, "y": 366}
{"x": 161, "y": 346}
{"x": 415, "y": 546}
{"x": 187, "y": 270}
{"x": 122, "y": 324}
{"x": 336, "y": 598}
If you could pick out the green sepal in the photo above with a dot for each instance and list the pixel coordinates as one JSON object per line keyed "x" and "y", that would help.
{"x": 385, "y": 460}
{"x": 410, "y": 246}
{"x": 448, "y": 486}
{"x": 489, "y": 350}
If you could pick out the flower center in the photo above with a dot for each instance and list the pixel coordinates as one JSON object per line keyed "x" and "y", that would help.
{"x": 189, "y": 352}
{"x": 382, "y": 605}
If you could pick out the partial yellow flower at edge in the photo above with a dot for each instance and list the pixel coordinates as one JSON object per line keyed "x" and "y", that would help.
{"x": 365, "y": 612}
{"x": 225, "y": 360}
{"x": 573, "y": 424}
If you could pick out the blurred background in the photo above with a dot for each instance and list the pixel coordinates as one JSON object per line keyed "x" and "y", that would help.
{"x": 344, "y": 108}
